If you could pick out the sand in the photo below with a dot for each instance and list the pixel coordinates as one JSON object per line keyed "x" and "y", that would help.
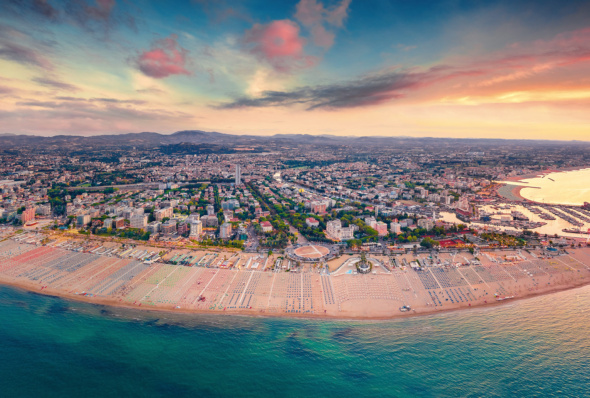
{"x": 223, "y": 284}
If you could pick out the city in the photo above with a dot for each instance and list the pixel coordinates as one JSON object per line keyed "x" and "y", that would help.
{"x": 294, "y": 198}
{"x": 216, "y": 223}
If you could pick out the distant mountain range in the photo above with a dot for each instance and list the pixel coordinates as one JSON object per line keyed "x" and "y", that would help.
{"x": 197, "y": 137}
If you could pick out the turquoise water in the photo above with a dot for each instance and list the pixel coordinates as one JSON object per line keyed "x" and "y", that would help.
{"x": 56, "y": 348}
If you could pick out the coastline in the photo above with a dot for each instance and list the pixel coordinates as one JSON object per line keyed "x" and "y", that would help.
{"x": 517, "y": 183}
{"x": 513, "y": 193}
{"x": 540, "y": 174}
{"x": 411, "y": 285}
{"x": 114, "y": 304}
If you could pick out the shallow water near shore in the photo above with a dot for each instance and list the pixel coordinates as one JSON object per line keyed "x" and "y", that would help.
{"x": 567, "y": 188}
{"x": 52, "y": 347}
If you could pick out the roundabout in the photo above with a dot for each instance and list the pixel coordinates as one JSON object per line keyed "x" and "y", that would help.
{"x": 310, "y": 253}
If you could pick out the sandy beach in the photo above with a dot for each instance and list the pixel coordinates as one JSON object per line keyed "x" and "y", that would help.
{"x": 511, "y": 187}
{"x": 447, "y": 281}
{"x": 520, "y": 178}
{"x": 511, "y": 192}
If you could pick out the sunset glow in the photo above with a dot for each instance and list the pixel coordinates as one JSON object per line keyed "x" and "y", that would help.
{"x": 445, "y": 69}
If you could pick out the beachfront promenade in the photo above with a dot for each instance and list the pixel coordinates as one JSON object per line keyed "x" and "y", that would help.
{"x": 445, "y": 281}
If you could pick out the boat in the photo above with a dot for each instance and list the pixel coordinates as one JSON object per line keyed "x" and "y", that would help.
{"x": 504, "y": 298}
{"x": 405, "y": 308}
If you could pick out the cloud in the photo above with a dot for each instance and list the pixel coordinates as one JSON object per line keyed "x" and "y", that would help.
{"x": 313, "y": 15}
{"x": 23, "y": 55}
{"x": 336, "y": 15}
{"x": 279, "y": 44}
{"x": 56, "y": 84}
{"x": 5, "y": 90}
{"x": 97, "y": 17}
{"x": 368, "y": 90}
{"x": 94, "y": 18}
{"x": 151, "y": 90}
{"x": 38, "y": 8}
{"x": 92, "y": 109}
{"x": 102, "y": 10}
{"x": 104, "y": 100}
{"x": 220, "y": 11}
{"x": 164, "y": 59}
{"x": 80, "y": 116}
{"x": 522, "y": 67}
{"x": 309, "y": 12}
{"x": 521, "y": 61}
{"x": 44, "y": 8}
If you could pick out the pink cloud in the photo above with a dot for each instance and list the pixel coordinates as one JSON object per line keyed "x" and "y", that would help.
{"x": 279, "y": 44}
{"x": 521, "y": 72}
{"x": 309, "y": 12}
{"x": 165, "y": 58}
{"x": 104, "y": 7}
{"x": 313, "y": 15}
{"x": 523, "y": 61}
{"x": 336, "y": 16}
{"x": 321, "y": 37}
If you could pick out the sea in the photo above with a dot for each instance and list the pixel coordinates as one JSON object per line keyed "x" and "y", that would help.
{"x": 567, "y": 188}
{"x": 51, "y": 347}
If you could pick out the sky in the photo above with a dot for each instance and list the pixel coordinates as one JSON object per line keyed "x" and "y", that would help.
{"x": 436, "y": 68}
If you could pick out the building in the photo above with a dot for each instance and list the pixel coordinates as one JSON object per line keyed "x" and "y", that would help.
{"x": 318, "y": 207}
{"x": 381, "y": 228}
{"x": 154, "y": 227}
{"x": 193, "y": 218}
{"x": 425, "y": 223}
{"x": 161, "y": 214}
{"x": 238, "y": 175}
{"x": 231, "y": 204}
{"x": 44, "y": 210}
{"x": 210, "y": 221}
{"x": 210, "y": 210}
{"x": 333, "y": 228}
{"x": 119, "y": 222}
{"x": 182, "y": 228}
{"x": 312, "y": 222}
{"x": 82, "y": 220}
{"x": 337, "y": 231}
{"x": 266, "y": 226}
{"x": 108, "y": 223}
{"x": 395, "y": 227}
{"x": 196, "y": 228}
{"x": 29, "y": 215}
{"x": 225, "y": 231}
{"x": 169, "y": 227}
{"x": 138, "y": 221}
{"x": 371, "y": 222}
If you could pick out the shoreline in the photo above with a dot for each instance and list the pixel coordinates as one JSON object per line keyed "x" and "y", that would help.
{"x": 517, "y": 183}
{"x": 112, "y": 303}
{"x": 540, "y": 174}
{"x": 425, "y": 283}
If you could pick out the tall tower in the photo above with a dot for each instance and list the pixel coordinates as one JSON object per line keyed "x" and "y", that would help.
{"x": 238, "y": 175}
